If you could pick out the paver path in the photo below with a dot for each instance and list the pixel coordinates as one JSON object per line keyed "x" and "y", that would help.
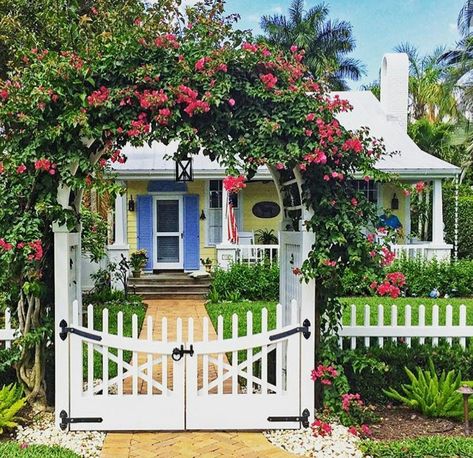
{"x": 186, "y": 444}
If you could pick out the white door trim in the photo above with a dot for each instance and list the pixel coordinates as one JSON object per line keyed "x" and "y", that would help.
{"x": 168, "y": 265}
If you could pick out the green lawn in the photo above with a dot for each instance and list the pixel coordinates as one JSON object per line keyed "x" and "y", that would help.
{"x": 401, "y": 306}
{"x": 227, "y": 309}
{"x": 133, "y": 306}
{"x": 12, "y": 450}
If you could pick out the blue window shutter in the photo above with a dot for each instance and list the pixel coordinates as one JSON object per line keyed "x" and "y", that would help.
{"x": 144, "y": 217}
{"x": 191, "y": 233}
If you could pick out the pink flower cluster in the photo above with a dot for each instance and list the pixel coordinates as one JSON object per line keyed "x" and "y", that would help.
{"x": 249, "y": 47}
{"x": 350, "y": 399}
{"x": 337, "y": 104}
{"x": 152, "y": 99}
{"x": 163, "y": 116}
{"x": 296, "y": 271}
{"x": 420, "y": 186}
{"x": 21, "y": 169}
{"x": 4, "y": 95}
{"x": 325, "y": 374}
{"x": 117, "y": 156}
{"x": 320, "y": 428}
{"x": 269, "y": 80}
{"x": 234, "y": 184}
{"x": 46, "y": 165}
{"x": 329, "y": 263}
{"x": 353, "y": 144}
{"x": 189, "y": 97}
{"x": 5, "y": 245}
{"x": 36, "y": 250}
{"x": 391, "y": 286}
{"x": 317, "y": 157}
{"x": 139, "y": 126}
{"x": 98, "y": 97}
{"x": 363, "y": 431}
{"x": 168, "y": 40}
{"x": 200, "y": 64}
{"x": 388, "y": 256}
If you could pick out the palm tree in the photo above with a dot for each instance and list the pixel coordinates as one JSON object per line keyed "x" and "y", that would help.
{"x": 326, "y": 42}
{"x": 429, "y": 94}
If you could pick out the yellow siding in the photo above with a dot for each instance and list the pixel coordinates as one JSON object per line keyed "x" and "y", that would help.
{"x": 259, "y": 192}
{"x": 134, "y": 188}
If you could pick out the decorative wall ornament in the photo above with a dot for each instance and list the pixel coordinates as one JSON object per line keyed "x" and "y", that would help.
{"x": 266, "y": 209}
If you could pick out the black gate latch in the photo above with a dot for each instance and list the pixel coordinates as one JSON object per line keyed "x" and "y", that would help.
{"x": 304, "y": 418}
{"x": 66, "y": 420}
{"x": 178, "y": 353}
{"x": 65, "y": 330}
{"x": 304, "y": 329}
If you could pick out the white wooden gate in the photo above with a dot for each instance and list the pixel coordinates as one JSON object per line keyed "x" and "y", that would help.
{"x": 250, "y": 381}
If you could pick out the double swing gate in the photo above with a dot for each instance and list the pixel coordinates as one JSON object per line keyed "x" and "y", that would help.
{"x": 191, "y": 378}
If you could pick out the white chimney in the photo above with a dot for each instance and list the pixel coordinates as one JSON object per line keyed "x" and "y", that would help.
{"x": 395, "y": 87}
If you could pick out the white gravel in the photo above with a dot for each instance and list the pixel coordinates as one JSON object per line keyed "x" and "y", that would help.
{"x": 340, "y": 444}
{"x": 43, "y": 431}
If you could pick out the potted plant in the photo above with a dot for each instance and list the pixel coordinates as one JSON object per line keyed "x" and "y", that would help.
{"x": 207, "y": 263}
{"x": 138, "y": 260}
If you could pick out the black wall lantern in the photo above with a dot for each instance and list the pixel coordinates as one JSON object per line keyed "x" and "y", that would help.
{"x": 131, "y": 204}
{"x": 202, "y": 216}
{"x": 184, "y": 171}
{"x": 395, "y": 203}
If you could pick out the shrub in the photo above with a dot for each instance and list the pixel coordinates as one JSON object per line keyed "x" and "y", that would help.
{"x": 370, "y": 383}
{"x": 431, "y": 395}
{"x": 15, "y": 450}
{"x": 423, "y": 447}
{"x": 11, "y": 402}
{"x": 94, "y": 234}
{"x": 251, "y": 282}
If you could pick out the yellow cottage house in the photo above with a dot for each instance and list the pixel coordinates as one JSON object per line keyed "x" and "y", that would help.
{"x": 179, "y": 224}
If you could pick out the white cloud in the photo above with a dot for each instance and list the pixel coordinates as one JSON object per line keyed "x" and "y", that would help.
{"x": 278, "y": 9}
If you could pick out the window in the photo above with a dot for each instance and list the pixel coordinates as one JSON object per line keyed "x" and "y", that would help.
{"x": 369, "y": 189}
{"x": 214, "y": 211}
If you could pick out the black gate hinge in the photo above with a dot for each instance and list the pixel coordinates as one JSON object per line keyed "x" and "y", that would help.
{"x": 65, "y": 330}
{"x": 66, "y": 420}
{"x": 304, "y": 418}
{"x": 178, "y": 353}
{"x": 304, "y": 329}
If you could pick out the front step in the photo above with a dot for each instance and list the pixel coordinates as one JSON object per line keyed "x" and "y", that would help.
{"x": 170, "y": 285}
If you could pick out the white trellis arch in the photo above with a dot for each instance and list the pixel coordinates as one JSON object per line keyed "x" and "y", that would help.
{"x": 295, "y": 244}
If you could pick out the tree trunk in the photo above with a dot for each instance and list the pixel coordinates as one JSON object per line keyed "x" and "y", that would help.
{"x": 30, "y": 368}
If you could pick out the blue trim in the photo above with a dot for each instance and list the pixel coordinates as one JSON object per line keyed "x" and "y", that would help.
{"x": 191, "y": 233}
{"x": 166, "y": 186}
{"x": 144, "y": 221}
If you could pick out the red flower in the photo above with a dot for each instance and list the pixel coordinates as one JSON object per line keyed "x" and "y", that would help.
{"x": 21, "y": 168}
{"x": 320, "y": 428}
{"x": 353, "y": 144}
{"x": 354, "y": 202}
{"x": 5, "y": 245}
{"x": 326, "y": 178}
{"x": 36, "y": 251}
{"x": 310, "y": 117}
{"x": 269, "y": 80}
{"x": 249, "y": 47}
{"x": 353, "y": 430}
{"x": 4, "y": 94}
{"x": 349, "y": 399}
{"x": 329, "y": 263}
{"x": 151, "y": 99}
{"x": 296, "y": 271}
{"x": 420, "y": 186}
{"x": 294, "y": 48}
{"x": 98, "y": 97}
{"x": 317, "y": 157}
{"x": 2, "y": 167}
{"x": 167, "y": 41}
{"x": 234, "y": 184}
{"x": 222, "y": 68}
{"x": 200, "y": 64}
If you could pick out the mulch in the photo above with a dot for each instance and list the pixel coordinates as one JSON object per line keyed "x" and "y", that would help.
{"x": 397, "y": 422}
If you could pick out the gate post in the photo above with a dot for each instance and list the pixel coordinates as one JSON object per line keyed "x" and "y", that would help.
{"x": 67, "y": 288}
{"x": 307, "y": 310}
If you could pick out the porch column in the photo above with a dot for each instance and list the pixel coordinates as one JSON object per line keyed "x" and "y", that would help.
{"x": 120, "y": 241}
{"x": 437, "y": 214}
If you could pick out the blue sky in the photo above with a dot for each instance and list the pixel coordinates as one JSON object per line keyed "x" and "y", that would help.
{"x": 378, "y": 25}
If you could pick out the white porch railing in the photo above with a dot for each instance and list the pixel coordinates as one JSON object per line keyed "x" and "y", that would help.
{"x": 425, "y": 250}
{"x": 365, "y": 334}
{"x": 253, "y": 254}
{"x": 7, "y": 334}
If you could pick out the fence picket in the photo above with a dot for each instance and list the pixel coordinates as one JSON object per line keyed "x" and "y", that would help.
{"x": 279, "y": 366}
{"x": 422, "y": 321}
{"x": 235, "y": 355}
{"x": 462, "y": 324}
{"x": 220, "y": 355}
{"x": 394, "y": 319}
{"x": 264, "y": 352}
{"x": 408, "y": 322}
{"x": 7, "y": 326}
{"x": 90, "y": 351}
{"x": 205, "y": 357}
{"x": 367, "y": 323}
{"x": 249, "y": 353}
{"x": 149, "y": 356}
{"x": 119, "y": 354}
{"x": 164, "y": 358}
{"x": 449, "y": 320}
{"x": 381, "y": 323}
{"x": 134, "y": 358}
{"x": 353, "y": 323}
{"x": 435, "y": 323}
{"x": 105, "y": 353}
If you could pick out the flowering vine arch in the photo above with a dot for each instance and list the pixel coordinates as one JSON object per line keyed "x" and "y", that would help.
{"x": 66, "y": 116}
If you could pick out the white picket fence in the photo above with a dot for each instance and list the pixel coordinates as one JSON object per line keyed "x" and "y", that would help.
{"x": 7, "y": 334}
{"x": 436, "y": 329}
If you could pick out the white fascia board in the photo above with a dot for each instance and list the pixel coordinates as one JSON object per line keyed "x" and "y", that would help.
{"x": 169, "y": 174}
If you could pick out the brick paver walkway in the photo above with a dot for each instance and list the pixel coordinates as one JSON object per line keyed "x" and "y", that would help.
{"x": 186, "y": 444}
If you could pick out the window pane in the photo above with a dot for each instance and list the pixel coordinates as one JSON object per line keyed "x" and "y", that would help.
{"x": 167, "y": 249}
{"x": 167, "y": 212}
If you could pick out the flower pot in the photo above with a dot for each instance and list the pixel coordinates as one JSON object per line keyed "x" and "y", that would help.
{"x": 136, "y": 273}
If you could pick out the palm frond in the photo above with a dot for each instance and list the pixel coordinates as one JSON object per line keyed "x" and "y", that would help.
{"x": 465, "y": 18}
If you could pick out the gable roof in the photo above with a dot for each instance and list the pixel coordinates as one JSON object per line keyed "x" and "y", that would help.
{"x": 409, "y": 161}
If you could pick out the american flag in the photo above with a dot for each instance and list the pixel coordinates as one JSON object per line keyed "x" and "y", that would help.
{"x": 232, "y": 225}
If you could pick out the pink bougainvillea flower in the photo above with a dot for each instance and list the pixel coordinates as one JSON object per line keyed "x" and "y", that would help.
{"x": 367, "y": 178}
{"x": 21, "y": 168}
{"x": 350, "y": 399}
{"x": 308, "y": 132}
{"x": 317, "y": 157}
{"x": 354, "y": 201}
{"x": 353, "y": 430}
{"x": 321, "y": 428}
{"x": 294, "y": 48}
{"x": 98, "y": 97}
{"x": 329, "y": 263}
{"x": 326, "y": 178}
{"x": 5, "y": 245}
{"x": 249, "y": 47}
{"x": 200, "y": 64}
{"x": 4, "y": 94}
{"x": 269, "y": 80}
{"x": 406, "y": 192}
{"x": 222, "y": 68}
{"x": 2, "y": 167}
{"x": 371, "y": 238}
{"x": 366, "y": 431}
{"x": 296, "y": 271}
{"x": 353, "y": 144}
{"x": 302, "y": 167}
{"x": 280, "y": 166}
{"x": 310, "y": 117}
{"x": 234, "y": 184}
{"x": 420, "y": 186}
{"x": 36, "y": 250}
{"x": 231, "y": 102}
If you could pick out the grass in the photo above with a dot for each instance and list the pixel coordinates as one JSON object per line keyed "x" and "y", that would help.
{"x": 13, "y": 450}
{"x": 423, "y": 447}
{"x": 132, "y": 306}
{"x": 401, "y": 303}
